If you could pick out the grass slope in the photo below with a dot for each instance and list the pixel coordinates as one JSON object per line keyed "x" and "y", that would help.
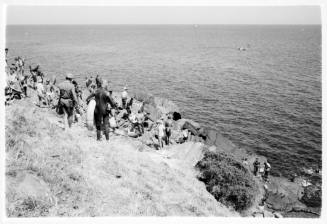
{"x": 54, "y": 173}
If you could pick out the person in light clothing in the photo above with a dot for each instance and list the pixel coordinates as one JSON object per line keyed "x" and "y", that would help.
{"x": 124, "y": 96}
{"x": 41, "y": 93}
{"x": 161, "y": 133}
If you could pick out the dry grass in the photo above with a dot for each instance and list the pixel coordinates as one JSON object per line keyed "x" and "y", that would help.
{"x": 52, "y": 173}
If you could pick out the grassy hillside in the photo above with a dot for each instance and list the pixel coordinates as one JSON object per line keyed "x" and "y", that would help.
{"x": 54, "y": 173}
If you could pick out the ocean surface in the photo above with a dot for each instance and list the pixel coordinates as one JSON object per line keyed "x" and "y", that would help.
{"x": 266, "y": 99}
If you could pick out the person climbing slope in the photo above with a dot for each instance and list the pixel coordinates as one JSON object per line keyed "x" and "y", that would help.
{"x": 101, "y": 114}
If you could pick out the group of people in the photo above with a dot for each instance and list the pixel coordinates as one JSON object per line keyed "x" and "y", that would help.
{"x": 264, "y": 171}
{"x": 109, "y": 114}
{"x": 18, "y": 81}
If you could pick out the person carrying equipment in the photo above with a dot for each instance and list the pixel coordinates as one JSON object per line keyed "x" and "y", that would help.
{"x": 256, "y": 166}
{"x": 124, "y": 96}
{"x": 67, "y": 100}
{"x": 101, "y": 114}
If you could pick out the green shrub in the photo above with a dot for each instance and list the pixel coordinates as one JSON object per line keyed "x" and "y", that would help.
{"x": 227, "y": 180}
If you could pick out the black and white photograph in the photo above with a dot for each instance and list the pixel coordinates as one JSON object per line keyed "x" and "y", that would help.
{"x": 162, "y": 111}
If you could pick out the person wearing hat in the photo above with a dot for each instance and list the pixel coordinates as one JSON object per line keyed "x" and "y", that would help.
{"x": 101, "y": 114}
{"x": 124, "y": 96}
{"x": 67, "y": 99}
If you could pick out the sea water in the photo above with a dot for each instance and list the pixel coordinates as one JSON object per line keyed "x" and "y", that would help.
{"x": 266, "y": 99}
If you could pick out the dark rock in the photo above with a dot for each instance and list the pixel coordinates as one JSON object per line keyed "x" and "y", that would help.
{"x": 277, "y": 215}
{"x": 187, "y": 125}
{"x": 176, "y": 116}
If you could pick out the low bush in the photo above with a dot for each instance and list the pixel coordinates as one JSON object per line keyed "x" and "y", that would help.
{"x": 227, "y": 180}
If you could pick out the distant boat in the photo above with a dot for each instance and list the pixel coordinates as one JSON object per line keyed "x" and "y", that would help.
{"x": 241, "y": 49}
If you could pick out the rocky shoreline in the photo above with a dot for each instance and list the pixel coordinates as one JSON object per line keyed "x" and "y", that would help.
{"x": 281, "y": 197}
{"x": 278, "y": 198}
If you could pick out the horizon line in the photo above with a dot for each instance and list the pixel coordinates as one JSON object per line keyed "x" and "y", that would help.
{"x": 165, "y": 24}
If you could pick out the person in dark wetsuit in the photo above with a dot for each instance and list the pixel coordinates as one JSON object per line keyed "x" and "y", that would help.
{"x": 101, "y": 114}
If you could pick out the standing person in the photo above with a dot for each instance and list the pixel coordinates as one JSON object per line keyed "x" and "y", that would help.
{"x": 168, "y": 124}
{"x": 67, "y": 99}
{"x": 134, "y": 122}
{"x": 23, "y": 79}
{"x": 101, "y": 114}
{"x": 41, "y": 93}
{"x": 140, "y": 121}
{"x": 6, "y": 51}
{"x": 49, "y": 89}
{"x": 124, "y": 96}
{"x": 21, "y": 64}
{"x": 33, "y": 77}
{"x": 267, "y": 168}
{"x": 161, "y": 133}
{"x": 256, "y": 166}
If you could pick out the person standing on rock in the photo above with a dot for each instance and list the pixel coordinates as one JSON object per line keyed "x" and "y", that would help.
{"x": 67, "y": 100}
{"x": 267, "y": 168}
{"x": 256, "y": 166}
{"x": 101, "y": 114}
{"x": 124, "y": 96}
